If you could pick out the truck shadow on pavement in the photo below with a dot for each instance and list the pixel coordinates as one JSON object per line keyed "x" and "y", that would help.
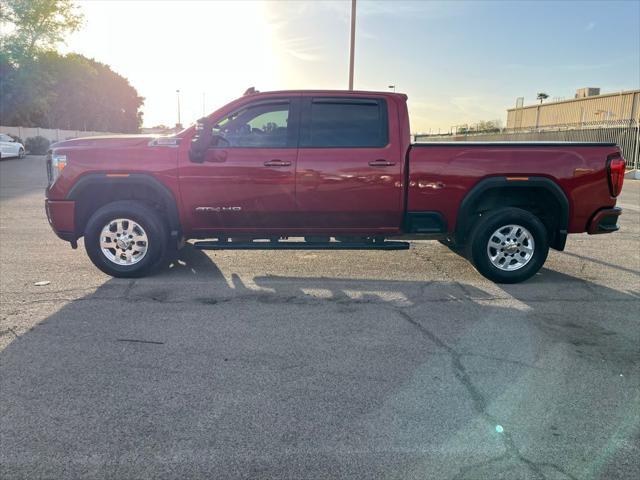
{"x": 189, "y": 374}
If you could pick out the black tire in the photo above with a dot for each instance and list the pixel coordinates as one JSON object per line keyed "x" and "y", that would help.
{"x": 153, "y": 225}
{"x": 482, "y": 233}
{"x": 21, "y": 153}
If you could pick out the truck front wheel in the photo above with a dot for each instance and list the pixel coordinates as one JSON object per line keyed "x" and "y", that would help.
{"x": 126, "y": 239}
{"x": 508, "y": 245}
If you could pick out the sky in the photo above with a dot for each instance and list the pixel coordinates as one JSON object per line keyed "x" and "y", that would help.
{"x": 459, "y": 62}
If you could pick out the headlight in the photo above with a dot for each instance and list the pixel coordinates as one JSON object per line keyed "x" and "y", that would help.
{"x": 56, "y": 165}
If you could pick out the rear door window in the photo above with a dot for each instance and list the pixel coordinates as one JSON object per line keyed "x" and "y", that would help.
{"x": 345, "y": 122}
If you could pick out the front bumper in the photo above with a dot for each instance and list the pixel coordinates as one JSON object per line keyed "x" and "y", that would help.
{"x": 604, "y": 221}
{"x": 61, "y": 217}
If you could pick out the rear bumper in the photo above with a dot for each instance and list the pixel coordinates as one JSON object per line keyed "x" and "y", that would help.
{"x": 61, "y": 217}
{"x": 604, "y": 221}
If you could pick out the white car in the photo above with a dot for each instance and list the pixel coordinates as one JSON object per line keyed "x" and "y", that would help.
{"x": 10, "y": 148}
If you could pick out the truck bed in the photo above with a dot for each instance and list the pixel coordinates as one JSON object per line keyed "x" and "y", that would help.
{"x": 440, "y": 174}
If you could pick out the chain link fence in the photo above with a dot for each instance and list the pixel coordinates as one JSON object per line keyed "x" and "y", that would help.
{"x": 626, "y": 134}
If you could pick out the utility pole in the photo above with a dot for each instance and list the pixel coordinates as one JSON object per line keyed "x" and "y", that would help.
{"x": 353, "y": 42}
{"x": 178, "y": 97}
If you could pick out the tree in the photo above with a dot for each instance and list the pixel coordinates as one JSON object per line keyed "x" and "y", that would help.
{"x": 42, "y": 88}
{"x": 489, "y": 126}
{"x": 542, "y": 96}
{"x": 37, "y": 25}
{"x": 24, "y": 93}
{"x": 69, "y": 92}
{"x": 483, "y": 126}
{"x": 29, "y": 29}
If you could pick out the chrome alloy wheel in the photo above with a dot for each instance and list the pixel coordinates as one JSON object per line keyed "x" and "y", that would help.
{"x": 123, "y": 241}
{"x": 510, "y": 247}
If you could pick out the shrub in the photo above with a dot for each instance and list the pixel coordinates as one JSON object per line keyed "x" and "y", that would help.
{"x": 37, "y": 145}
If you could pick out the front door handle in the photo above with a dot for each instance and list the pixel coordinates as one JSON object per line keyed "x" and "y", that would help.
{"x": 381, "y": 163}
{"x": 277, "y": 163}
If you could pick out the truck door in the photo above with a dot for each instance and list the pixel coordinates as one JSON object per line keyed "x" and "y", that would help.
{"x": 349, "y": 165}
{"x": 247, "y": 179}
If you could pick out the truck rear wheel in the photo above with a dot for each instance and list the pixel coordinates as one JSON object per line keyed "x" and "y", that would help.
{"x": 126, "y": 239}
{"x": 508, "y": 245}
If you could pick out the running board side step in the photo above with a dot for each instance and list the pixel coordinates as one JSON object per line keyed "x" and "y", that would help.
{"x": 391, "y": 245}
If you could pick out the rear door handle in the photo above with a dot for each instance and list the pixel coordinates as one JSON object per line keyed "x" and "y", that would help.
{"x": 277, "y": 163}
{"x": 381, "y": 163}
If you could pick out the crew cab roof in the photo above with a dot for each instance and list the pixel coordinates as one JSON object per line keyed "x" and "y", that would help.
{"x": 330, "y": 92}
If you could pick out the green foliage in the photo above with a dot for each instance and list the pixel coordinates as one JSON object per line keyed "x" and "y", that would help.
{"x": 484, "y": 126}
{"x": 38, "y": 24}
{"x": 37, "y": 145}
{"x": 542, "y": 96}
{"x": 42, "y": 88}
{"x": 489, "y": 126}
{"x": 68, "y": 92}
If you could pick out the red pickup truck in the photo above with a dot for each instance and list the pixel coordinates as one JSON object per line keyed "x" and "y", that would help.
{"x": 334, "y": 168}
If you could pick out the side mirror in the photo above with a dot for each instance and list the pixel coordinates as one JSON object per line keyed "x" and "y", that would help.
{"x": 201, "y": 141}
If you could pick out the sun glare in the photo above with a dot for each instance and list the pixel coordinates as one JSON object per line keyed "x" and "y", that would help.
{"x": 210, "y": 51}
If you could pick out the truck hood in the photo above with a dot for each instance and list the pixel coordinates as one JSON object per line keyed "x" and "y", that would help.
{"x": 107, "y": 141}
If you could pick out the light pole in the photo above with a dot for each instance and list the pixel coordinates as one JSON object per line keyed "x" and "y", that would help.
{"x": 203, "y": 104}
{"x": 178, "y": 97}
{"x": 393, "y": 87}
{"x": 353, "y": 43}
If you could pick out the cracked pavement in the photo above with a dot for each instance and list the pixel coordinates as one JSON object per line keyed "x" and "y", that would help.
{"x": 396, "y": 365}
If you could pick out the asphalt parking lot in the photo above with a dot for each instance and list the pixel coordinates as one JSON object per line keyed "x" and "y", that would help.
{"x": 402, "y": 365}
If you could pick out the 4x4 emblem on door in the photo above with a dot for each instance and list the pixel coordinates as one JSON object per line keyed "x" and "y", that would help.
{"x": 218, "y": 209}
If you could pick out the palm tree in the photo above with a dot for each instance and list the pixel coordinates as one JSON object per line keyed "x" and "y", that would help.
{"x": 542, "y": 96}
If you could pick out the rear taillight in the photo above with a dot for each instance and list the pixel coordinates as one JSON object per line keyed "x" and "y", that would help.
{"x": 615, "y": 172}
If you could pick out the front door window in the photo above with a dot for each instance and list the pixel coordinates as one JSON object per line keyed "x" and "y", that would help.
{"x": 263, "y": 125}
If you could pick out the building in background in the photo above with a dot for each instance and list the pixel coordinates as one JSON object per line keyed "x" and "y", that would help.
{"x": 589, "y": 117}
{"x": 588, "y": 108}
